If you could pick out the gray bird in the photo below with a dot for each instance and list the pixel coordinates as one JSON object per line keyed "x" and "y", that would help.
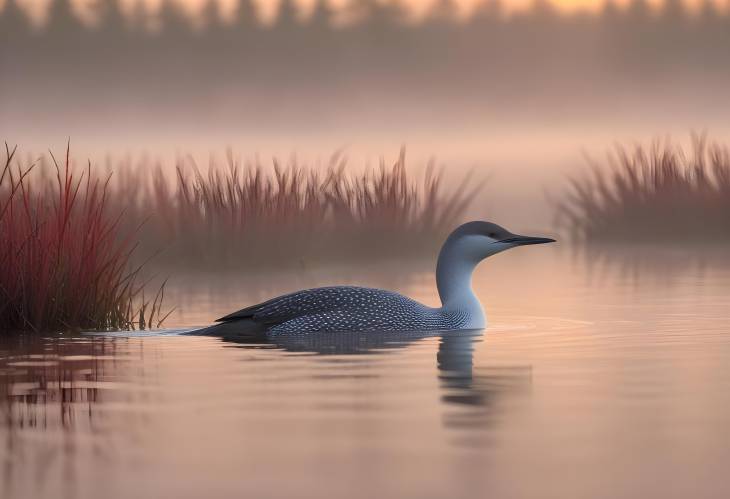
{"x": 351, "y": 308}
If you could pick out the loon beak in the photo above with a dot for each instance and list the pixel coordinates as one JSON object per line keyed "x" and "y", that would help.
{"x": 525, "y": 240}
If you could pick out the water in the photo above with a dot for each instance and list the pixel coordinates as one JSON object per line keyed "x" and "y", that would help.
{"x": 599, "y": 376}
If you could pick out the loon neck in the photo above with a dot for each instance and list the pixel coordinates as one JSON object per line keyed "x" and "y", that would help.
{"x": 453, "y": 279}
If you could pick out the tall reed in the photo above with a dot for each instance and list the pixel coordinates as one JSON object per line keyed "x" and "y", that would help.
{"x": 248, "y": 215}
{"x": 63, "y": 264}
{"x": 65, "y": 261}
{"x": 658, "y": 194}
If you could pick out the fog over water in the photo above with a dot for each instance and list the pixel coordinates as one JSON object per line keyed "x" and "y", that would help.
{"x": 517, "y": 96}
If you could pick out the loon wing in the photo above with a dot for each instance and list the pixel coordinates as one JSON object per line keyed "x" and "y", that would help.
{"x": 303, "y": 303}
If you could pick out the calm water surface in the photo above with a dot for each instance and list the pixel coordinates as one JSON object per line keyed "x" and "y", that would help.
{"x": 597, "y": 377}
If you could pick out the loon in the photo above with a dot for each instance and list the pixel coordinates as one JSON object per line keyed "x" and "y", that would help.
{"x": 359, "y": 309}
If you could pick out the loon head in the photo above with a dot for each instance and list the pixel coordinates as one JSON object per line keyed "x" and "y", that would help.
{"x": 478, "y": 240}
{"x": 468, "y": 245}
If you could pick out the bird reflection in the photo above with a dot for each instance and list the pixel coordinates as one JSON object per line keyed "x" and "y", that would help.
{"x": 475, "y": 392}
{"x": 55, "y": 382}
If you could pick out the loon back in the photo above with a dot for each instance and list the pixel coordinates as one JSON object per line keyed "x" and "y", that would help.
{"x": 341, "y": 308}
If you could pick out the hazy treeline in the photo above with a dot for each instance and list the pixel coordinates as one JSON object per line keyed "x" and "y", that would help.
{"x": 235, "y": 62}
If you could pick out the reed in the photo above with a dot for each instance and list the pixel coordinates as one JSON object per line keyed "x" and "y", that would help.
{"x": 656, "y": 194}
{"x": 244, "y": 214}
{"x": 71, "y": 237}
{"x": 63, "y": 264}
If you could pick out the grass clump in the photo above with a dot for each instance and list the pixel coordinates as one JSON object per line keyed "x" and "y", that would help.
{"x": 656, "y": 194}
{"x": 249, "y": 215}
{"x": 63, "y": 264}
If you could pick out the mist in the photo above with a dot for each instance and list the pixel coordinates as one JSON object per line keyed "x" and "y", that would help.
{"x": 506, "y": 94}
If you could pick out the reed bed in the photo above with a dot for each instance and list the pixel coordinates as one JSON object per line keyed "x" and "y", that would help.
{"x": 72, "y": 238}
{"x": 655, "y": 195}
{"x": 243, "y": 214}
{"x": 63, "y": 263}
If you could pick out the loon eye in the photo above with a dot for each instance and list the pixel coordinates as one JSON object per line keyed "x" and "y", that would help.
{"x": 493, "y": 235}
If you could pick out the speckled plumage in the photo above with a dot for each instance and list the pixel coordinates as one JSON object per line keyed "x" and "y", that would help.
{"x": 348, "y": 308}
{"x": 356, "y": 309}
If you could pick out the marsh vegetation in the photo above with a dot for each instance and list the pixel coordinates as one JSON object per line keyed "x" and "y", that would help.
{"x": 250, "y": 214}
{"x": 77, "y": 241}
{"x": 63, "y": 262}
{"x": 656, "y": 194}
